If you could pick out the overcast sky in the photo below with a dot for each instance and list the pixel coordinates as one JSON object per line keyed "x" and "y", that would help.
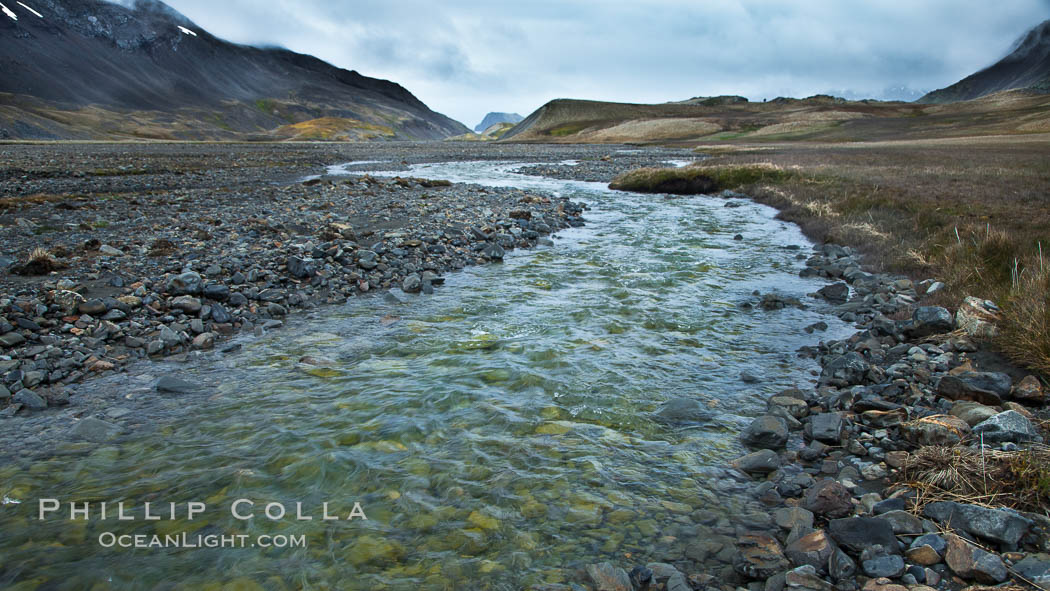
{"x": 465, "y": 58}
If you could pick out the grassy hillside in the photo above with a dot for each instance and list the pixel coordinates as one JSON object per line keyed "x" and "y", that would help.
{"x": 817, "y": 119}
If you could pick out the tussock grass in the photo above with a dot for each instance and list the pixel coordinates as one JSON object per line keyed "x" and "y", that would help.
{"x": 1016, "y": 479}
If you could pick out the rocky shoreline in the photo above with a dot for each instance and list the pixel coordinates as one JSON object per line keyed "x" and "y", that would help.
{"x": 873, "y": 475}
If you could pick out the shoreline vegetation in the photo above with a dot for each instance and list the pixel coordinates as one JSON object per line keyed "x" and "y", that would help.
{"x": 971, "y": 212}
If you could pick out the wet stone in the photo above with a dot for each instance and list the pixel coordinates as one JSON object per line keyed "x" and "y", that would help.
{"x": 767, "y": 431}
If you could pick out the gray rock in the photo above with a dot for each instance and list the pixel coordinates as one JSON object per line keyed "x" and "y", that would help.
{"x": 219, "y": 314}
{"x": 412, "y": 283}
{"x": 759, "y": 556}
{"x": 169, "y": 337}
{"x": 155, "y": 347}
{"x": 932, "y": 540}
{"x": 789, "y": 518}
{"x": 1035, "y": 568}
{"x": 110, "y": 251}
{"x": 95, "y": 430}
{"x": 826, "y": 427}
{"x": 841, "y": 566}
{"x": 760, "y": 462}
{"x": 805, "y": 578}
{"x": 829, "y": 498}
{"x": 988, "y": 388}
{"x": 11, "y": 339}
{"x": 4, "y": 393}
{"x": 988, "y": 568}
{"x": 903, "y": 522}
{"x": 972, "y": 412}
{"x": 366, "y": 259}
{"x": 857, "y": 533}
{"x": 187, "y": 304}
{"x": 846, "y": 370}
{"x": 836, "y": 293}
{"x": 92, "y": 307}
{"x": 188, "y": 283}
{"x": 172, "y": 385}
{"x": 883, "y": 566}
{"x": 682, "y": 410}
{"x": 767, "y": 431}
{"x": 929, "y": 320}
{"x": 300, "y": 268}
{"x": 493, "y": 251}
{"x": 1007, "y": 426}
{"x": 814, "y": 548}
{"x": 217, "y": 292}
{"x": 29, "y": 399}
{"x": 998, "y": 525}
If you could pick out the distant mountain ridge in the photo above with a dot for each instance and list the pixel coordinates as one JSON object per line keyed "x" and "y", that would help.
{"x": 1026, "y": 67}
{"x": 149, "y": 71}
{"x": 494, "y": 118}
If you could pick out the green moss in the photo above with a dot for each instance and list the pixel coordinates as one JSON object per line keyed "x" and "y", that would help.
{"x": 569, "y": 129}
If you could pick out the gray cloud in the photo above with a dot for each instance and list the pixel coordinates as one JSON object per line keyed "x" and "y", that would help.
{"x": 467, "y": 57}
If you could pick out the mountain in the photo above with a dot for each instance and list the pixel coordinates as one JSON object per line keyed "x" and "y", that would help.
{"x": 494, "y": 118}
{"x": 1027, "y": 67}
{"x": 87, "y": 69}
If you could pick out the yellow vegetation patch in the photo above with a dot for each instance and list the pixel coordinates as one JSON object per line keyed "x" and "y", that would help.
{"x": 334, "y": 128}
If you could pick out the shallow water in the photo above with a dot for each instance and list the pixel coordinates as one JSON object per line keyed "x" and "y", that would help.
{"x": 497, "y": 432}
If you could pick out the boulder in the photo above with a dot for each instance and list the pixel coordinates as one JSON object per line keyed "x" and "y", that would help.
{"x": 997, "y": 525}
{"x": 1035, "y": 568}
{"x": 814, "y": 549}
{"x": 1029, "y": 390}
{"x": 188, "y": 283}
{"x": 846, "y": 370}
{"x": 767, "y": 432}
{"x": 805, "y": 578}
{"x": 682, "y": 410}
{"x": 828, "y": 498}
{"x": 760, "y": 462}
{"x": 988, "y": 388}
{"x": 759, "y": 556}
{"x": 972, "y": 412}
{"x": 1007, "y": 426}
{"x": 826, "y": 427}
{"x": 857, "y": 533}
{"x": 836, "y": 293}
{"x": 936, "y": 430}
{"x": 929, "y": 320}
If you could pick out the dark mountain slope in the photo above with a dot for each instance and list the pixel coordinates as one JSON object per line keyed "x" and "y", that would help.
{"x": 1027, "y": 66}
{"x": 152, "y": 59}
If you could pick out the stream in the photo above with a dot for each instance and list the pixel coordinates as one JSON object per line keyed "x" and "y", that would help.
{"x": 497, "y": 433}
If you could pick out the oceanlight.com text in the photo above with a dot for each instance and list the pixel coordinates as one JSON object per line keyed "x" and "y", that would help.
{"x": 184, "y": 540}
